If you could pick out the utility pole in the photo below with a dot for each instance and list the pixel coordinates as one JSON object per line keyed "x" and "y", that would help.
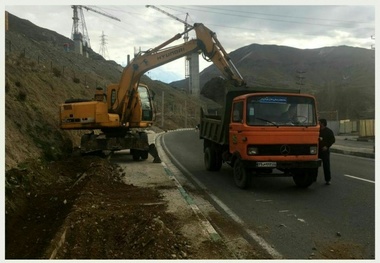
{"x": 185, "y": 111}
{"x": 300, "y": 77}
{"x": 162, "y": 109}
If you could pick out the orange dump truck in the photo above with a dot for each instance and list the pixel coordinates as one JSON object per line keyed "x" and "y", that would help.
{"x": 263, "y": 132}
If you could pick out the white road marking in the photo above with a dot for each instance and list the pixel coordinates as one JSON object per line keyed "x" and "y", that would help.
{"x": 358, "y": 178}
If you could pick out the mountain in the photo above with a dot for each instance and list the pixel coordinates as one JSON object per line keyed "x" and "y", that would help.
{"x": 342, "y": 78}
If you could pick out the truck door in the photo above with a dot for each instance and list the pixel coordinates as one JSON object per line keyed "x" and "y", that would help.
{"x": 236, "y": 127}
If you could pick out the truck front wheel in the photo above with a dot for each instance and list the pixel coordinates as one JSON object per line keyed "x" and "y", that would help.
{"x": 305, "y": 177}
{"x": 241, "y": 175}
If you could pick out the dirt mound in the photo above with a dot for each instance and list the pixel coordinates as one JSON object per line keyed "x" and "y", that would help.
{"x": 81, "y": 209}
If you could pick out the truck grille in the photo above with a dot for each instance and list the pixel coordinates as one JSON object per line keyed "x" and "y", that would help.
{"x": 284, "y": 149}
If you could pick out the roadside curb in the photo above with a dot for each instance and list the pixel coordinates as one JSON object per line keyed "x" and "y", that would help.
{"x": 204, "y": 222}
{"x": 214, "y": 235}
{"x": 354, "y": 153}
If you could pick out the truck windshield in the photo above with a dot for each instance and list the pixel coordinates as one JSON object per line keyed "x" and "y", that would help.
{"x": 280, "y": 110}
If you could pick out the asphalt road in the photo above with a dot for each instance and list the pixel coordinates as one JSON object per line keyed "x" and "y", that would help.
{"x": 335, "y": 221}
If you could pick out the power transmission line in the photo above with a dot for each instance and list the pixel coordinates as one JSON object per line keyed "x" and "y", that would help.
{"x": 210, "y": 10}
{"x": 103, "y": 46}
{"x": 287, "y": 16}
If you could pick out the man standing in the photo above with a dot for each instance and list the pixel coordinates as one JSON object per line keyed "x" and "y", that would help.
{"x": 326, "y": 139}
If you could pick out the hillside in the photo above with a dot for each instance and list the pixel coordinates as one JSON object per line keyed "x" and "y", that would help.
{"x": 342, "y": 78}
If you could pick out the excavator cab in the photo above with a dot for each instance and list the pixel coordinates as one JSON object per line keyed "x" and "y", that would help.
{"x": 138, "y": 112}
{"x": 147, "y": 113}
{"x": 99, "y": 95}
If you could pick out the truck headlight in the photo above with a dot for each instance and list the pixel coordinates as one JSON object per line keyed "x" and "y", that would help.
{"x": 313, "y": 149}
{"x": 252, "y": 150}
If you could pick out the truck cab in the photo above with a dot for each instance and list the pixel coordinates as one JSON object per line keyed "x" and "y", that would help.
{"x": 274, "y": 127}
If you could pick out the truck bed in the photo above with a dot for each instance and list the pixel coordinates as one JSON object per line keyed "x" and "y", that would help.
{"x": 211, "y": 128}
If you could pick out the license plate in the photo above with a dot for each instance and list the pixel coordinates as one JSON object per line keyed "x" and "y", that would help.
{"x": 266, "y": 164}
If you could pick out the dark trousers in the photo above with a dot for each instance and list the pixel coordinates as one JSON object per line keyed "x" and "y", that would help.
{"x": 325, "y": 157}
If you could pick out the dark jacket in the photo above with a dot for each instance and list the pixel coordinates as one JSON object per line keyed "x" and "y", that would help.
{"x": 327, "y": 136}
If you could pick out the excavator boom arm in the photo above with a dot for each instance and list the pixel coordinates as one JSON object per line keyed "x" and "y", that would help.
{"x": 206, "y": 41}
{"x": 138, "y": 66}
{"x": 215, "y": 52}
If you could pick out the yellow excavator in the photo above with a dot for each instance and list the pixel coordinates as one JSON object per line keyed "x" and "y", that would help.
{"x": 126, "y": 109}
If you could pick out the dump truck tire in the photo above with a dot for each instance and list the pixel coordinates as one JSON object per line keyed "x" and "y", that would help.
{"x": 241, "y": 175}
{"x": 211, "y": 159}
{"x": 303, "y": 178}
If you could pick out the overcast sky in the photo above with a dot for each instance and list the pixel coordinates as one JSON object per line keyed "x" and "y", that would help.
{"x": 289, "y": 24}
